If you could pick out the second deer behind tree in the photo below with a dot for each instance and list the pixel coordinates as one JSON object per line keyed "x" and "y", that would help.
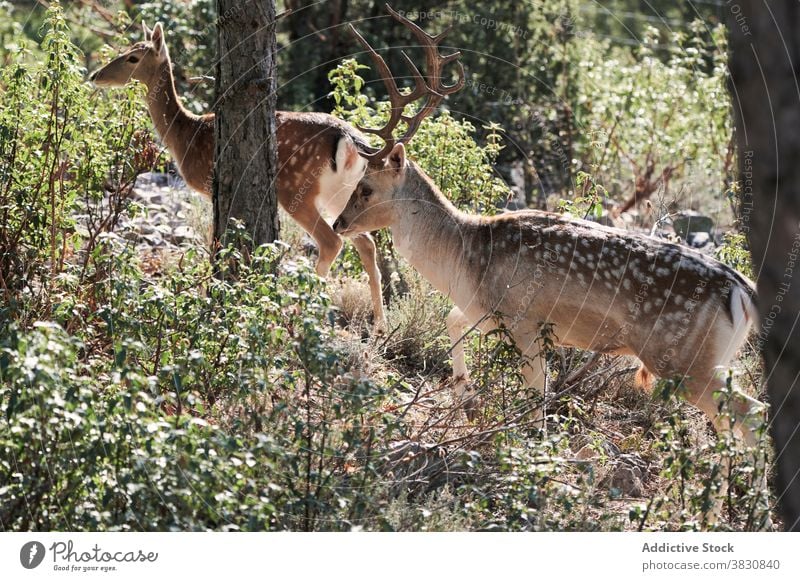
{"x": 320, "y": 157}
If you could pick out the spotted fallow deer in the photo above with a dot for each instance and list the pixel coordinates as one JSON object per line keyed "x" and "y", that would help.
{"x": 598, "y": 288}
{"x": 320, "y": 157}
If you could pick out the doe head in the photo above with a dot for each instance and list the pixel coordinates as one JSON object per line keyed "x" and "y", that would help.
{"x": 140, "y": 61}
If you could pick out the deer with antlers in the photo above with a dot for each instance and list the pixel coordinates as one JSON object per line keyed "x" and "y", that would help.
{"x": 321, "y": 158}
{"x": 597, "y": 288}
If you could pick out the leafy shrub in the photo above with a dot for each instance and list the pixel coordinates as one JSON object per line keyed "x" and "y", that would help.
{"x": 533, "y": 490}
{"x": 61, "y": 148}
{"x": 735, "y": 252}
{"x": 80, "y": 455}
{"x": 644, "y": 110}
{"x": 224, "y": 409}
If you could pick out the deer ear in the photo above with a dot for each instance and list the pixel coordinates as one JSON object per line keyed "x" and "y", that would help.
{"x": 157, "y": 37}
{"x": 147, "y": 32}
{"x": 397, "y": 159}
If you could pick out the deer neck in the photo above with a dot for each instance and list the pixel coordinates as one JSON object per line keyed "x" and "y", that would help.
{"x": 172, "y": 121}
{"x": 433, "y": 235}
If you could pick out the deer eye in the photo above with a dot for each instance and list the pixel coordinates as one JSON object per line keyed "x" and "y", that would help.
{"x": 366, "y": 192}
{"x": 133, "y": 59}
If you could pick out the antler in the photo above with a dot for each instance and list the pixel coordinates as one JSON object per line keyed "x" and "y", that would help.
{"x": 431, "y": 86}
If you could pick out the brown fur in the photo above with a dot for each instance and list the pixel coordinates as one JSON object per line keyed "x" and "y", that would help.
{"x": 644, "y": 379}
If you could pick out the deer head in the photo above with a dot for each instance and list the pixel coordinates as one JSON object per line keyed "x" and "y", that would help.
{"x": 371, "y": 206}
{"x": 140, "y": 62}
{"x": 373, "y": 203}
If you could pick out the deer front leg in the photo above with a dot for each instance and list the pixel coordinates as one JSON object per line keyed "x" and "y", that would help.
{"x": 534, "y": 375}
{"x": 329, "y": 243}
{"x": 457, "y": 324}
{"x": 365, "y": 246}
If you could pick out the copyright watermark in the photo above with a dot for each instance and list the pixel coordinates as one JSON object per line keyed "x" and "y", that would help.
{"x": 463, "y": 18}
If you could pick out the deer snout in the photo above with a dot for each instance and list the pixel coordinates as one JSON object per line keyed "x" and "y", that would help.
{"x": 92, "y": 76}
{"x": 340, "y": 225}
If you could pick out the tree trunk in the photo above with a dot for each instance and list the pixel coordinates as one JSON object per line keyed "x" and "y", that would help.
{"x": 246, "y": 158}
{"x": 765, "y": 58}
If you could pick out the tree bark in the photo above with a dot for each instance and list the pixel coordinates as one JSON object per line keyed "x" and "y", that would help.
{"x": 246, "y": 155}
{"x": 766, "y": 102}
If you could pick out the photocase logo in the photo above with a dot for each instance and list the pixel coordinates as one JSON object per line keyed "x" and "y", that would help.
{"x": 31, "y": 554}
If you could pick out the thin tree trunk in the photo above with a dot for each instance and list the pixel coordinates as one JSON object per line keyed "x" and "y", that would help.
{"x": 765, "y": 58}
{"x": 246, "y": 158}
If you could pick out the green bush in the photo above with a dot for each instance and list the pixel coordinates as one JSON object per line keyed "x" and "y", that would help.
{"x": 658, "y": 117}
{"x": 229, "y": 408}
{"x": 63, "y": 149}
{"x": 80, "y": 453}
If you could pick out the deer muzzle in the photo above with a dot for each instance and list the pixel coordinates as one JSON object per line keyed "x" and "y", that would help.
{"x": 340, "y": 225}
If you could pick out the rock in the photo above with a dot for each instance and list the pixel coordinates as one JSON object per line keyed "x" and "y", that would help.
{"x": 149, "y": 198}
{"x": 587, "y": 453}
{"x": 698, "y": 239}
{"x": 183, "y": 234}
{"x": 627, "y": 475}
{"x": 164, "y": 228}
{"x": 688, "y": 222}
{"x": 597, "y": 449}
{"x": 144, "y": 229}
{"x": 153, "y": 240}
{"x": 150, "y": 180}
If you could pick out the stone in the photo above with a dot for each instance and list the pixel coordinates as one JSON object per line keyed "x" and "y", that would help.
{"x": 689, "y": 222}
{"x": 627, "y": 476}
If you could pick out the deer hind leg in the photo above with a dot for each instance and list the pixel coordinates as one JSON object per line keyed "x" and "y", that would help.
{"x": 329, "y": 243}
{"x": 745, "y": 414}
{"x": 701, "y": 395}
{"x": 750, "y": 416}
{"x": 365, "y": 246}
